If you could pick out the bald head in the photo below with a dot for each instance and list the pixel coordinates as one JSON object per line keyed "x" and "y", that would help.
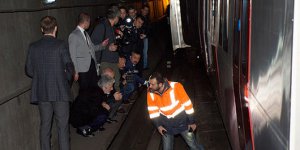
{"x": 109, "y": 72}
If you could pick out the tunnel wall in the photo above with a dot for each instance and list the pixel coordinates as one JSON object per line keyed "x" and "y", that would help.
{"x": 19, "y": 120}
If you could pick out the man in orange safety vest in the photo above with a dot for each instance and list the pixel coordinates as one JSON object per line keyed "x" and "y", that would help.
{"x": 171, "y": 111}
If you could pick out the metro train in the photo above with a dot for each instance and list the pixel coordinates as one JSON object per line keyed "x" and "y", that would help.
{"x": 250, "y": 49}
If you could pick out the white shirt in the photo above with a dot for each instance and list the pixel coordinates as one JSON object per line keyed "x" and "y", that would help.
{"x": 82, "y": 31}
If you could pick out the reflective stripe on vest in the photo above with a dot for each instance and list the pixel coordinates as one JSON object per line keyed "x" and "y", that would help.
{"x": 152, "y": 96}
{"x": 174, "y": 102}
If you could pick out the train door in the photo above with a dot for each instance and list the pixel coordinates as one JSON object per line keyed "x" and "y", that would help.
{"x": 240, "y": 70}
{"x": 211, "y": 26}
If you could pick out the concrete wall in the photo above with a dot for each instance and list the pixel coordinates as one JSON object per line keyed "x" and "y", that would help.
{"x": 19, "y": 121}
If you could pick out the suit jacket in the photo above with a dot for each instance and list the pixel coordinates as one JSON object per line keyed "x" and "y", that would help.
{"x": 81, "y": 52}
{"x": 49, "y": 65}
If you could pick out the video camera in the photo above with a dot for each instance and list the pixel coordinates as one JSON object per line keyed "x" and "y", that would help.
{"x": 130, "y": 75}
{"x": 127, "y": 28}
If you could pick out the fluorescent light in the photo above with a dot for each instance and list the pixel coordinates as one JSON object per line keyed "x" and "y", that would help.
{"x": 49, "y": 1}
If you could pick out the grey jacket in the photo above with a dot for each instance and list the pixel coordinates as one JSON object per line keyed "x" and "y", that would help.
{"x": 49, "y": 65}
{"x": 81, "y": 52}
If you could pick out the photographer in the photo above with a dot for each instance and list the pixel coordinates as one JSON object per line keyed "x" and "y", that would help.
{"x": 123, "y": 14}
{"x": 131, "y": 79}
{"x": 132, "y": 36}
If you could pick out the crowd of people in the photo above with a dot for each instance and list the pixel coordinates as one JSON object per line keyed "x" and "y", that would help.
{"x": 108, "y": 65}
{"x": 107, "y": 62}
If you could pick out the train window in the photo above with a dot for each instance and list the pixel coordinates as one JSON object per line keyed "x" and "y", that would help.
{"x": 208, "y": 16}
{"x": 236, "y": 35}
{"x": 221, "y": 24}
{"x": 245, "y": 37}
{"x": 240, "y": 50}
{"x": 225, "y": 25}
{"x": 213, "y": 18}
{"x": 223, "y": 31}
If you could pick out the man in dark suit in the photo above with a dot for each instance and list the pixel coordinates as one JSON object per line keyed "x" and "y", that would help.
{"x": 49, "y": 65}
{"x": 82, "y": 51}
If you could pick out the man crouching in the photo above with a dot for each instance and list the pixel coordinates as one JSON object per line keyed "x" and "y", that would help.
{"x": 171, "y": 110}
{"x": 90, "y": 110}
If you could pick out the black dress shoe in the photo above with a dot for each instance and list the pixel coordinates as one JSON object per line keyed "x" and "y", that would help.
{"x": 85, "y": 132}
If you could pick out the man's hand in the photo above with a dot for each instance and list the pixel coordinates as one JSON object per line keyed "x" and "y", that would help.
{"x": 120, "y": 33}
{"x": 117, "y": 96}
{"x": 146, "y": 83}
{"x": 76, "y": 76}
{"x": 122, "y": 27}
{"x": 105, "y": 42}
{"x": 192, "y": 126}
{"x": 124, "y": 82}
{"x": 142, "y": 36}
{"x": 124, "y": 76}
{"x": 112, "y": 47}
{"x": 105, "y": 105}
{"x": 161, "y": 130}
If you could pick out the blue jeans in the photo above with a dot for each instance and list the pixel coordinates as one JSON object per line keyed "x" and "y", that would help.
{"x": 189, "y": 137}
{"x": 145, "y": 53}
{"x": 127, "y": 90}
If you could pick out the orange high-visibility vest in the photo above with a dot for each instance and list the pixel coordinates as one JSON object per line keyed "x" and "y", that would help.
{"x": 170, "y": 103}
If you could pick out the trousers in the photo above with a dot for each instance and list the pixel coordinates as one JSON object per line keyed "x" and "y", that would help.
{"x": 60, "y": 111}
{"x": 189, "y": 138}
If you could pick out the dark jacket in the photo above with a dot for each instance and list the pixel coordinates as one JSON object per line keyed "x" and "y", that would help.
{"x": 132, "y": 72}
{"x": 49, "y": 65}
{"x": 135, "y": 43}
{"x": 146, "y": 28}
{"x": 101, "y": 32}
{"x": 87, "y": 106}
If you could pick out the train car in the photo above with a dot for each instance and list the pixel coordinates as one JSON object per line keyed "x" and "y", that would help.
{"x": 250, "y": 49}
